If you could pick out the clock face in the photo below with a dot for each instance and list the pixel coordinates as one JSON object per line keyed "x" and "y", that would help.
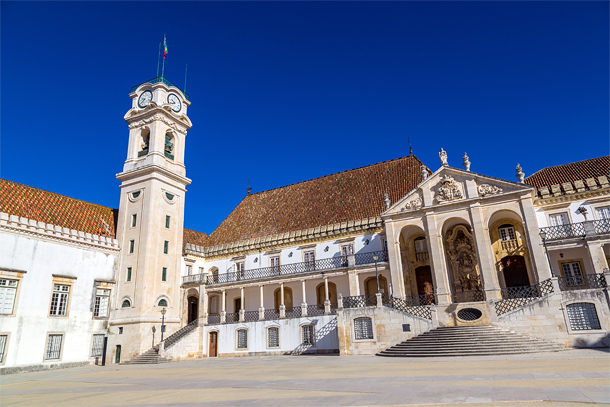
{"x": 174, "y": 102}
{"x": 145, "y": 98}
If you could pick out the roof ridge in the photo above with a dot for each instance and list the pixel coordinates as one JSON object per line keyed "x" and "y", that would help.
{"x": 339, "y": 172}
{"x": 572, "y": 163}
{"x": 55, "y": 193}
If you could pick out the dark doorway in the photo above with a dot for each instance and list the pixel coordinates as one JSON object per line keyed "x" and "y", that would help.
{"x": 193, "y": 307}
{"x": 117, "y": 357}
{"x": 425, "y": 285}
{"x": 213, "y": 349}
{"x": 515, "y": 272}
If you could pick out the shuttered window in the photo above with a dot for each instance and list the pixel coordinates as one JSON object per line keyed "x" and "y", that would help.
{"x": 8, "y": 291}
{"x": 363, "y": 328}
{"x": 242, "y": 339}
{"x": 273, "y": 337}
{"x": 583, "y": 316}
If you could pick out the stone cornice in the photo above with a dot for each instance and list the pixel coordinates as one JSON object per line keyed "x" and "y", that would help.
{"x": 56, "y": 234}
{"x": 571, "y": 197}
{"x": 139, "y": 118}
{"x": 151, "y": 169}
{"x": 288, "y": 238}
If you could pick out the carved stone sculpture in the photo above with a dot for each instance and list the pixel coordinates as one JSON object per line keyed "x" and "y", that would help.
{"x": 413, "y": 204}
{"x": 486, "y": 189}
{"x": 520, "y": 174}
{"x": 424, "y": 172}
{"x": 466, "y": 161}
{"x": 386, "y": 200}
{"x": 463, "y": 260}
{"x": 448, "y": 190}
{"x": 443, "y": 156}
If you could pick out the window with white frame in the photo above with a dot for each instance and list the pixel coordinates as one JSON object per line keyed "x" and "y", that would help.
{"x": 8, "y": 292}
{"x": 59, "y": 300}
{"x": 189, "y": 270}
{"x": 559, "y": 219}
{"x": 507, "y": 232}
{"x": 583, "y": 316}
{"x": 603, "y": 213}
{"x": 97, "y": 346}
{"x": 274, "y": 263}
{"x": 346, "y": 250}
{"x": 242, "y": 339}
{"x": 273, "y": 337}
{"x": 572, "y": 272}
{"x": 102, "y": 298}
{"x": 53, "y": 346}
{"x": 363, "y": 328}
{"x": 240, "y": 268}
{"x": 307, "y": 335}
{"x": 3, "y": 342}
{"x": 200, "y": 270}
{"x": 309, "y": 257}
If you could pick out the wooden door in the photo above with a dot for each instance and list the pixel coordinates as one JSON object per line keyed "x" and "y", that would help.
{"x": 117, "y": 357}
{"x": 193, "y": 309}
{"x": 213, "y": 350}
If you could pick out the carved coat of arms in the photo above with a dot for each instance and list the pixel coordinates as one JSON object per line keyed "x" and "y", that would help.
{"x": 448, "y": 190}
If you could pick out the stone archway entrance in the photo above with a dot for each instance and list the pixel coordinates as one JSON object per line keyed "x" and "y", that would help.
{"x": 193, "y": 308}
{"x": 515, "y": 271}
{"x": 425, "y": 284}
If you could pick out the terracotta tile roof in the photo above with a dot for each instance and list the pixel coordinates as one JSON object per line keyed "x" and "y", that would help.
{"x": 571, "y": 174}
{"x": 341, "y": 197}
{"x": 193, "y": 237}
{"x": 48, "y": 207}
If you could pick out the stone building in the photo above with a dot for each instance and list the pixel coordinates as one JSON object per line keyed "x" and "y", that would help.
{"x": 353, "y": 262}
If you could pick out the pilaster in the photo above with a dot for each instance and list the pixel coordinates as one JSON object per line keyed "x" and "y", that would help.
{"x": 437, "y": 260}
{"x": 487, "y": 265}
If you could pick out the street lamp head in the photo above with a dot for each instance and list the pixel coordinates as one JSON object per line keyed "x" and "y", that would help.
{"x": 375, "y": 257}
{"x": 163, "y": 311}
{"x": 542, "y": 234}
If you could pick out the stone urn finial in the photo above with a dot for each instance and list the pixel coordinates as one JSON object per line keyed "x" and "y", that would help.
{"x": 424, "y": 172}
{"x": 520, "y": 174}
{"x": 466, "y": 162}
{"x": 386, "y": 199}
{"x": 443, "y": 156}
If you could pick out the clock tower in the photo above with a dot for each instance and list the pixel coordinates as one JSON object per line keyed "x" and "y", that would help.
{"x": 150, "y": 222}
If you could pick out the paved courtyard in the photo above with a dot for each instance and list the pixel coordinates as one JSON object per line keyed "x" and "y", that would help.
{"x": 570, "y": 378}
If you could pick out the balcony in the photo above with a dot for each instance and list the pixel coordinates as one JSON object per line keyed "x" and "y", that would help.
{"x": 577, "y": 230}
{"x": 334, "y": 263}
{"x": 421, "y": 256}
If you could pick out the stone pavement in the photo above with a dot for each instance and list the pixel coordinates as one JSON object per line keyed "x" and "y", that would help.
{"x": 568, "y": 379}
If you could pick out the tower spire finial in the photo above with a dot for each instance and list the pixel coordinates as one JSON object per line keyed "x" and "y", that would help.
{"x": 410, "y": 149}
{"x": 249, "y": 187}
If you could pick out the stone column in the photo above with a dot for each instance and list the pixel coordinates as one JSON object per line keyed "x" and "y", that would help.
{"x": 487, "y": 264}
{"x": 261, "y": 309}
{"x": 203, "y": 305}
{"x": 394, "y": 259}
{"x": 282, "y": 306}
{"x": 242, "y": 311}
{"x": 437, "y": 260}
{"x": 598, "y": 257}
{"x": 354, "y": 284}
{"x": 326, "y": 297}
{"x": 304, "y": 303}
{"x": 536, "y": 248}
{"x": 223, "y": 312}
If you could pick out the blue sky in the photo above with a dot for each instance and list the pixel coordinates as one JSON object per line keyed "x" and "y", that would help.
{"x": 283, "y": 92}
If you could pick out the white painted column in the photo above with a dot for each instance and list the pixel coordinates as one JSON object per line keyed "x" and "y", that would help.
{"x": 282, "y": 306}
{"x": 223, "y": 312}
{"x": 242, "y": 310}
{"x": 261, "y": 309}
{"x": 326, "y": 297}
{"x": 440, "y": 274}
{"x": 487, "y": 264}
{"x": 304, "y": 303}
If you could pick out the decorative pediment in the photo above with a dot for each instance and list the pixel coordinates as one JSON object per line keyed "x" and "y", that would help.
{"x": 448, "y": 190}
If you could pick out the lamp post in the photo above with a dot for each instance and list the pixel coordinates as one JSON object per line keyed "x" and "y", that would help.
{"x": 543, "y": 237}
{"x": 375, "y": 258}
{"x": 163, "y": 311}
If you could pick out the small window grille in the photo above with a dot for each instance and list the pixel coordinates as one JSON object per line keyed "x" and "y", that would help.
{"x": 8, "y": 291}
{"x": 307, "y": 335}
{"x": 53, "y": 347}
{"x": 583, "y": 316}
{"x": 242, "y": 339}
{"x": 164, "y": 274}
{"x": 2, "y": 347}
{"x": 363, "y": 328}
{"x": 98, "y": 345}
{"x": 273, "y": 337}
{"x": 102, "y": 298}
{"x": 59, "y": 300}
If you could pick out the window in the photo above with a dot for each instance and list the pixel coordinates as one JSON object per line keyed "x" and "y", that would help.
{"x": 134, "y": 218}
{"x": 573, "y": 274}
{"x": 8, "y": 292}
{"x": 189, "y": 270}
{"x": 273, "y": 337}
{"x": 420, "y": 245}
{"x": 162, "y": 303}
{"x": 507, "y": 232}
{"x": 167, "y": 218}
{"x": 363, "y": 328}
{"x": 346, "y": 250}
{"x": 307, "y": 337}
{"x": 200, "y": 270}
{"x": 97, "y": 347}
{"x": 213, "y": 306}
{"x": 59, "y": 300}
{"x": 126, "y": 304}
{"x": 242, "y": 339}
{"x": 240, "y": 268}
{"x": 310, "y": 260}
{"x": 583, "y": 316}
{"x": 165, "y": 247}
{"x": 102, "y": 298}
{"x": 169, "y": 146}
{"x": 603, "y": 213}
{"x": 53, "y": 346}
{"x": 131, "y": 245}
{"x": 120, "y": 330}
{"x": 3, "y": 341}
{"x": 274, "y": 262}
{"x": 128, "y": 273}
{"x": 559, "y": 219}
{"x": 164, "y": 274}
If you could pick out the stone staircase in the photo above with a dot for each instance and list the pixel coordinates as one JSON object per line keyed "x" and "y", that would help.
{"x": 469, "y": 341}
{"x": 151, "y": 356}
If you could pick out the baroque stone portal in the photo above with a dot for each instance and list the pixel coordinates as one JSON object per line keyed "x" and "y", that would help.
{"x": 463, "y": 260}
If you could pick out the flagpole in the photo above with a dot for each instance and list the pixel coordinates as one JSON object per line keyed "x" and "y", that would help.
{"x": 185, "y": 69}
{"x": 163, "y": 69}
{"x": 158, "y": 60}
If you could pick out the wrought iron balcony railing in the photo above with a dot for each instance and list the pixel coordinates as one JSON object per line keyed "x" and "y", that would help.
{"x": 580, "y": 282}
{"x": 575, "y": 230}
{"x": 468, "y": 296}
{"x": 162, "y": 80}
{"x": 333, "y": 263}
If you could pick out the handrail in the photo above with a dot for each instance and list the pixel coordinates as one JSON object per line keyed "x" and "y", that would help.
{"x": 575, "y": 230}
